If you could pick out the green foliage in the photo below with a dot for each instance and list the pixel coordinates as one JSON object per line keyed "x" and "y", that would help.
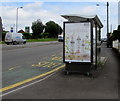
{"x": 53, "y": 29}
{"x": 116, "y": 35}
{"x": 28, "y": 35}
{"x": 3, "y": 35}
{"x": 42, "y": 40}
{"x": 45, "y": 35}
{"x": 37, "y": 28}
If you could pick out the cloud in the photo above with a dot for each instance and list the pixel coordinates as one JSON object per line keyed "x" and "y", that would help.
{"x": 60, "y": 0}
{"x": 51, "y": 11}
{"x": 35, "y": 6}
{"x": 30, "y": 13}
{"x": 89, "y": 10}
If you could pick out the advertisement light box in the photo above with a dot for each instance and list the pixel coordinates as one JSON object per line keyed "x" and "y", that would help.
{"x": 77, "y": 42}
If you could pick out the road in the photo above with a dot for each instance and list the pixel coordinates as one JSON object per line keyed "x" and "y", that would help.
{"x": 21, "y": 62}
{"x": 27, "y": 45}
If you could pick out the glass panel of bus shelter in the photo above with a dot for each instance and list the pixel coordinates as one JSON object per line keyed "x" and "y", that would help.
{"x": 78, "y": 42}
{"x": 119, "y": 46}
{"x": 94, "y": 45}
{"x": 98, "y": 44}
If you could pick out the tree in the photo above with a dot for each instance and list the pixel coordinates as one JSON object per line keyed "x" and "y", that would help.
{"x": 3, "y": 34}
{"x": 116, "y": 35}
{"x": 53, "y": 29}
{"x": 37, "y": 28}
{"x": 45, "y": 35}
{"x": 118, "y": 27}
{"x": 27, "y": 35}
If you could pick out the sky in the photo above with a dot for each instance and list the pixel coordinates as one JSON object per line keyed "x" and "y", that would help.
{"x": 119, "y": 13}
{"x": 51, "y": 11}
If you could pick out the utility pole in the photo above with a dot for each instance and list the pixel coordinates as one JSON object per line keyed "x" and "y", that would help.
{"x": 108, "y": 36}
{"x": 17, "y": 18}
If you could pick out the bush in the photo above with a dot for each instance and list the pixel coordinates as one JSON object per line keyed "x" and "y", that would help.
{"x": 116, "y": 35}
{"x": 3, "y": 35}
{"x": 27, "y": 35}
{"x": 45, "y": 35}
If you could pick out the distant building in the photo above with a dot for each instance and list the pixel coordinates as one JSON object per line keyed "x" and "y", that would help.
{"x": 119, "y": 13}
{"x": 21, "y": 31}
{"x": 1, "y": 29}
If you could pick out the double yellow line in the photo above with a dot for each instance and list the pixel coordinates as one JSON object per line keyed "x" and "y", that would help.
{"x": 28, "y": 80}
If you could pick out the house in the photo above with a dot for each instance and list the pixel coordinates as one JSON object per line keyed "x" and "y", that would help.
{"x": 21, "y": 31}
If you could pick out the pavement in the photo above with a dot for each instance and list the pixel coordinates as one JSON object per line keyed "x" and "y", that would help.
{"x": 103, "y": 84}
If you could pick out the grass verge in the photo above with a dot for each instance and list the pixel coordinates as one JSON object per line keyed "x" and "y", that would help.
{"x": 37, "y": 40}
{"x": 41, "y": 40}
{"x": 2, "y": 42}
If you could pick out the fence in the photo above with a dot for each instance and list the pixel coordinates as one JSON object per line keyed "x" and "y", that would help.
{"x": 116, "y": 46}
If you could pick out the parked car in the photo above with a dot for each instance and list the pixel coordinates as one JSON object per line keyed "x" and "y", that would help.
{"x": 14, "y": 38}
{"x": 60, "y": 38}
{"x": 104, "y": 39}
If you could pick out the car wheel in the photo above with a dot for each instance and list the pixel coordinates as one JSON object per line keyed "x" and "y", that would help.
{"x": 24, "y": 42}
{"x": 7, "y": 43}
{"x": 14, "y": 42}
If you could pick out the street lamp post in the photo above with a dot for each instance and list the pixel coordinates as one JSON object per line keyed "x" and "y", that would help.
{"x": 107, "y": 24}
{"x": 17, "y": 18}
{"x": 108, "y": 36}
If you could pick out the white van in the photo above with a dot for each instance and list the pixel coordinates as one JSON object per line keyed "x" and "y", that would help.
{"x": 14, "y": 38}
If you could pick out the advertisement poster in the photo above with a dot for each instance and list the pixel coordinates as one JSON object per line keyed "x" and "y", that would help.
{"x": 94, "y": 45}
{"x": 77, "y": 42}
{"x": 119, "y": 46}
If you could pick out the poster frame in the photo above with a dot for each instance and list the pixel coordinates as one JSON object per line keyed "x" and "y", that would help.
{"x": 91, "y": 40}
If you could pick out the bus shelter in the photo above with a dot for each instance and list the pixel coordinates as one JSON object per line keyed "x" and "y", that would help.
{"x": 82, "y": 41}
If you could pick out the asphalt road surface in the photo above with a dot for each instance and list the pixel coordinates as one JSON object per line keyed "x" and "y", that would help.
{"x": 27, "y": 45}
{"x": 21, "y": 62}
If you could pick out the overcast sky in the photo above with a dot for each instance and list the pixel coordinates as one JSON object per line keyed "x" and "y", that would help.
{"x": 47, "y": 11}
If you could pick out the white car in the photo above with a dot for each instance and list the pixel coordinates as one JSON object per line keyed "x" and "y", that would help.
{"x": 60, "y": 38}
{"x": 14, "y": 38}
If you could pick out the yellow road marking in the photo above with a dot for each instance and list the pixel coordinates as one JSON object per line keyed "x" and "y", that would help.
{"x": 30, "y": 79}
{"x": 14, "y": 67}
{"x": 56, "y": 65}
{"x": 11, "y": 68}
{"x": 50, "y": 65}
{"x": 56, "y": 58}
{"x": 40, "y": 64}
{"x": 46, "y": 64}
